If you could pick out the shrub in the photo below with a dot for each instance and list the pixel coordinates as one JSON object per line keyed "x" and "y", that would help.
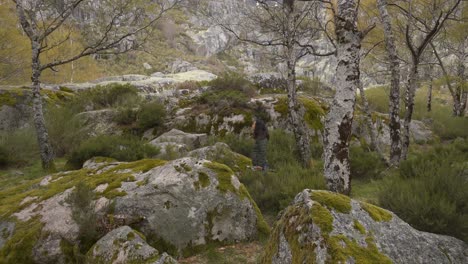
{"x": 237, "y": 143}
{"x": 18, "y": 148}
{"x": 365, "y": 164}
{"x": 100, "y": 97}
{"x": 126, "y": 116}
{"x": 66, "y": 130}
{"x": 429, "y": 192}
{"x": 309, "y": 85}
{"x": 151, "y": 115}
{"x": 81, "y": 202}
{"x": 123, "y": 148}
{"x": 230, "y": 90}
{"x": 276, "y": 188}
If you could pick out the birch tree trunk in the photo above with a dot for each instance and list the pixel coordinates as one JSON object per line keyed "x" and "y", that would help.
{"x": 394, "y": 102}
{"x": 409, "y": 104}
{"x": 295, "y": 111}
{"x": 339, "y": 120}
{"x": 461, "y": 94}
{"x": 45, "y": 148}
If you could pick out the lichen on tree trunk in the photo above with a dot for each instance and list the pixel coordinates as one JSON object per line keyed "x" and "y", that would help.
{"x": 409, "y": 104}
{"x": 339, "y": 120}
{"x": 394, "y": 102}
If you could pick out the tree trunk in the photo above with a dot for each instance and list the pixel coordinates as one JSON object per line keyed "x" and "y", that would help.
{"x": 45, "y": 149}
{"x": 339, "y": 120}
{"x": 374, "y": 146}
{"x": 394, "y": 105}
{"x": 295, "y": 110}
{"x": 409, "y": 104}
{"x": 429, "y": 96}
{"x": 461, "y": 94}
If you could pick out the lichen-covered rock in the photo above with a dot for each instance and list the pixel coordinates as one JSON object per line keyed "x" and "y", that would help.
{"x": 182, "y": 66}
{"x": 100, "y": 122}
{"x": 222, "y": 153}
{"x": 324, "y": 227}
{"x": 125, "y": 245}
{"x": 6, "y": 229}
{"x": 192, "y": 141}
{"x": 189, "y": 203}
{"x": 170, "y": 150}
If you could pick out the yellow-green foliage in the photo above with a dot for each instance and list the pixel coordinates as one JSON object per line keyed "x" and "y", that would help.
{"x": 313, "y": 111}
{"x": 323, "y": 218}
{"x": 339, "y": 202}
{"x": 342, "y": 248}
{"x": 11, "y": 96}
{"x": 203, "y": 181}
{"x": 377, "y": 213}
{"x": 359, "y": 227}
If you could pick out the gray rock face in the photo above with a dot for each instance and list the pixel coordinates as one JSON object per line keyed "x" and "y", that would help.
{"x": 6, "y": 230}
{"x": 182, "y": 66}
{"x": 100, "y": 122}
{"x": 192, "y": 141}
{"x": 324, "y": 227}
{"x": 124, "y": 245}
{"x": 191, "y": 202}
{"x": 222, "y": 153}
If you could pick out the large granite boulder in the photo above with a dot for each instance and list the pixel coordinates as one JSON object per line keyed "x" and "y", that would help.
{"x": 188, "y": 203}
{"x": 125, "y": 245}
{"x": 324, "y": 227}
{"x": 183, "y": 204}
{"x": 192, "y": 141}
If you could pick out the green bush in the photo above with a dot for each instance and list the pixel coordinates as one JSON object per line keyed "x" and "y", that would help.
{"x": 429, "y": 192}
{"x": 151, "y": 115}
{"x": 228, "y": 91}
{"x": 109, "y": 96}
{"x": 276, "y": 188}
{"x": 126, "y": 116}
{"x": 123, "y": 148}
{"x": 365, "y": 164}
{"x": 66, "y": 130}
{"x": 81, "y": 202}
{"x": 237, "y": 143}
{"x": 18, "y": 148}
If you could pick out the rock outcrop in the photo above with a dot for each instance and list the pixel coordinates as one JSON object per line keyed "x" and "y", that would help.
{"x": 324, "y": 227}
{"x": 222, "y": 153}
{"x": 180, "y": 205}
{"x": 125, "y": 245}
{"x": 175, "y": 136}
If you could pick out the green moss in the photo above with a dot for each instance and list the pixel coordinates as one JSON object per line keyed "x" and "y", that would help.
{"x": 359, "y": 227}
{"x": 104, "y": 160}
{"x": 322, "y": 218}
{"x": 376, "y": 213}
{"x": 224, "y": 176}
{"x": 338, "y": 202}
{"x": 7, "y": 99}
{"x": 203, "y": 181}
{"x": 341, "y": 249}
{"x": 143, "y": 165}
{"x": 18, "y": 249}
{"x": 186, "y": 167}
{"x": 130, "y": 236}
{"x": 313, "y": 111}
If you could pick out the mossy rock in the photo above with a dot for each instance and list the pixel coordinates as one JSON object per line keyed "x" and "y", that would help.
{"x": 325, "y": 227}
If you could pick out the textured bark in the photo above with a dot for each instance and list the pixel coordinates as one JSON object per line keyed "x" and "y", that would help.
{"x": 394, "y": 125}
{"x": 409, "y": 103}
{"x": 374, "y": 146}
{"x": 429, "y": 96}
{"x": 340, "y": 117}
{"x": 45, "y": 148}
{"x": 295, "y": 111}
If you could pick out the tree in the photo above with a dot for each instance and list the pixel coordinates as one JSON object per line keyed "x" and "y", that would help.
{"x": 112, "y": 27}
{"x": 339, "y": 119}
{"x": 394, "y": 98}
{"x": 424, "y": 22}
{"x": 291, "y": 28}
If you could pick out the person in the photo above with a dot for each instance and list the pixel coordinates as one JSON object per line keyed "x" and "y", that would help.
{"x": 261, "y": 136}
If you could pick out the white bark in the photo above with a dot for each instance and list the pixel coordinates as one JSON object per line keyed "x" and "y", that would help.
{"x": 394, "y": 102}
{"x": 340, "y": 117}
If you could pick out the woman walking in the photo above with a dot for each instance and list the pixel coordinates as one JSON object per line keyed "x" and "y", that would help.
{"x": 261, "y": 136}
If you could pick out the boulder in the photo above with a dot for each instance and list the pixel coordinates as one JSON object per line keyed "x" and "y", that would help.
{"x": 170, "y": 150}
{"x": 188, "y": 203}
{"x": 182, "y": 66}
{"x": 125, "y": 245}
{"x": 222, "y": 153}
{"x": 269, "y": 80}
{"x": 100, "y": 122}
{"x": 325, "y": 227}
{"x": 192, "y": 141}
{"x": 178, "y": 205}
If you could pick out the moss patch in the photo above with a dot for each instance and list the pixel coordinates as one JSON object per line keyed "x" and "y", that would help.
{"x": 313, "y": 111}
{"x": 359, "y": 227}
{"x": 203, "y": 181}
{"x": 376, "y": 213}
{"x": 341, "y": 249}
{"x": 338, "y": 202}
{"x": 18, "y": 249}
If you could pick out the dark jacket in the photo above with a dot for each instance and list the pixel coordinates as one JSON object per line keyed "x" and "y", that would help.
{"x": 261, "y": 131}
